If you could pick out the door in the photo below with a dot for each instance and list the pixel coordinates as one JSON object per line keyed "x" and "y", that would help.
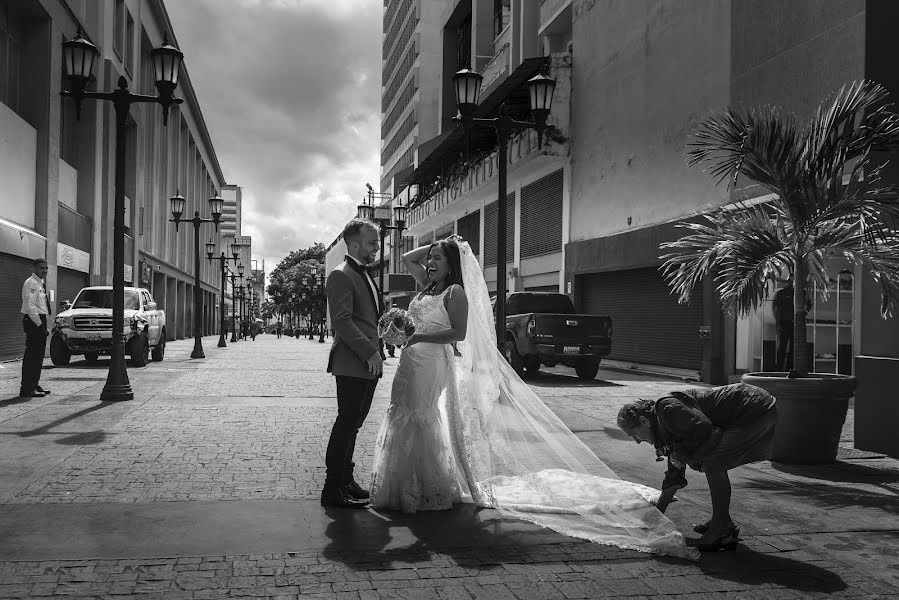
{"x": 648, "y": 325}
{"x": 152, "y": 317}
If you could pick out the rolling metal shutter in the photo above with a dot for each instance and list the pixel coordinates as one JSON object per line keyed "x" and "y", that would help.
{"x": 68, "y": 284}
{"x": 648, "y": 325}
{"x": 541, "y": 216}
{"x": 14, "y": 270}
{"x": 469, "y": 229}
{"x": 490, "y": 228}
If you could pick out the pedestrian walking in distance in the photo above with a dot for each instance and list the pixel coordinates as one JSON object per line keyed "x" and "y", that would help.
{"x": 35, "y": 311}
{"x": 278, "y": 329}
{"x": 711, "y": 430}
{"x": 354, "y": 360}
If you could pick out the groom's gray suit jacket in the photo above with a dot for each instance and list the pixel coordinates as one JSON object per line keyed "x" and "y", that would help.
{"x": 354, "y": 316}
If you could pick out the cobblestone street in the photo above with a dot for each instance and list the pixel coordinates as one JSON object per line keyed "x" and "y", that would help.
{"x": 206, "y": 485}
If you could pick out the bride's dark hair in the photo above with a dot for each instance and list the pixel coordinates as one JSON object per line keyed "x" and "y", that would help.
{"x": 450, "y": 250}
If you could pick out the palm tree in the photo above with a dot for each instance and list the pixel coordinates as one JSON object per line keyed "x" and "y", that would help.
{"x": 827, "y": 197}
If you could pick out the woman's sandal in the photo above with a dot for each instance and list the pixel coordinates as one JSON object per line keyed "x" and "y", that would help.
{"x": 702, "y": 528}
{"x": 727, "y": 541}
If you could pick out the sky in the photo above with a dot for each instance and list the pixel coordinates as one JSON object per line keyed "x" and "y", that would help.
{"x": 290, "y": 92}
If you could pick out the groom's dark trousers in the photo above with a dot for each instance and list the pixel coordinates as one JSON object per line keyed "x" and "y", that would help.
{"x": 354, "y": 396}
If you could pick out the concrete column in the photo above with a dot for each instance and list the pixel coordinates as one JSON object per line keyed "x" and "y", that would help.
{"x": 171, "y": 308}
{"x": 529, "y": 23}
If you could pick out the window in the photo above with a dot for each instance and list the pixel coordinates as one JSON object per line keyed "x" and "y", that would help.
{"x": 501, "y": 13}
{"x": 119, "y": 27}
{"x": 10, "y": 57}
{"x": 129, "y": 43}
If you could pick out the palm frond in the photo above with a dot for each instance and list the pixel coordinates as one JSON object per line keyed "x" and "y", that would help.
{"x": 746, "y": 246}
{"x": 761, "y": 144}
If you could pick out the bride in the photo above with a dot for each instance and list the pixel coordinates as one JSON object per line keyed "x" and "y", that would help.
{"x": 463, "y": 427}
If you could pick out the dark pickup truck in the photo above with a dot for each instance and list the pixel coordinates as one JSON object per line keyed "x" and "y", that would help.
{"x": 543, "y": 329}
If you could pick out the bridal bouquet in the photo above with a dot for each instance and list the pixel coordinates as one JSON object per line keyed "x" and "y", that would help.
{"x": 396, "y": 326}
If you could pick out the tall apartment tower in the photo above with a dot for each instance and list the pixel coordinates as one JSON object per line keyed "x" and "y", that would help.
{"x": 231, "y": 195}
{"x": 410, "y": 83}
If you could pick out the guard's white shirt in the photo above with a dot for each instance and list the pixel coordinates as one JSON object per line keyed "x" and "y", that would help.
{"x": 368, "y": 278}
{"x": 34, "y": 299}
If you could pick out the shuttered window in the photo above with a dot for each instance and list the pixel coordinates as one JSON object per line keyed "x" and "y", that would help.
{"x": 490, "y": 229}
{"x": 426, "y": 240}
{"x": 541, "y": 216}
{"x": 648, "y": 324}
{"x": 469, "y": 229}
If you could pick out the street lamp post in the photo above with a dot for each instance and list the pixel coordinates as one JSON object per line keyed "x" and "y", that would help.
{"x": 467, "y": 85}
{"x": 323, "y": 303}
{"x": 78, "y": 57}
{"x": 240, "y": 289}
{"x": 223, "y": 265}
{"x": 233, "y": 277}
{"x": 381, "y": 216}
{"x": 215, "y": 207}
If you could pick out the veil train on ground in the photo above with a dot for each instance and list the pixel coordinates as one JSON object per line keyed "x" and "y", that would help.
{"x": 515, "y": 455}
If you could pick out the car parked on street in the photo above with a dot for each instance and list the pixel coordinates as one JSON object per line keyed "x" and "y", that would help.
{"x": 85, "y": 327}
{"x": 542, "y": 328}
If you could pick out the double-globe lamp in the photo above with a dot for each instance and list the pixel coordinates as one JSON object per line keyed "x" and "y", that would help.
{"x": 79, "y": 56}
{"x": 467, "y": 84}
{"x": 215, "y": 208}
{"x": 223, "y": 265}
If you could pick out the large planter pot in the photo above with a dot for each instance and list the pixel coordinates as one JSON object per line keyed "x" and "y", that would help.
{"x": 810, "y": 414}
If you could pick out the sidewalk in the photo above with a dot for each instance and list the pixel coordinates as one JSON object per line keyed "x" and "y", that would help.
{"x": 206, "y": 486}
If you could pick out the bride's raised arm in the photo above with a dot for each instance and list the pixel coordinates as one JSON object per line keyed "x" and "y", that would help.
{"x": 413, "y": 260}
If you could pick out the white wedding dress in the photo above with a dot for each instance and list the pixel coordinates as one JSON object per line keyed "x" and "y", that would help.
{"x": 468, "y": 428}
{"x": 414, "y": 467}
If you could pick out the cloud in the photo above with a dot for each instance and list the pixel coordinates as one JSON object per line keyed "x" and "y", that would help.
{"x": 289, "y": 90}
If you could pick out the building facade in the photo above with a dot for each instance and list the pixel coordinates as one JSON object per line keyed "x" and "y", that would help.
{"x": 59, "y": 170}
{"x": 455, "y": 180}
{"x": 588, "y": 211}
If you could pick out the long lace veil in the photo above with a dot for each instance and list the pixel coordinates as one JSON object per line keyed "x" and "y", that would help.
{"x": 515, "y": 455}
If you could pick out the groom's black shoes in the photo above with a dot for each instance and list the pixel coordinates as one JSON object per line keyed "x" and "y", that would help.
{"x": 355, "y": 491}
{"x": 340, "y": 499}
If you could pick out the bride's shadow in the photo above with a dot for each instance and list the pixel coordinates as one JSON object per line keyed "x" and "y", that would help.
{"x": 374, "y": 540}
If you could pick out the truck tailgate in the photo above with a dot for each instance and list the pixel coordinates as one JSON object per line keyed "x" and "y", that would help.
{"x": 575, "y": 329}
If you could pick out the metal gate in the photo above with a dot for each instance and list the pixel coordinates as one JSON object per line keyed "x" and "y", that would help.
{"x": 68, "y": 284}
{"x": 648, "y": 325}
{"x": 14, "y": 270}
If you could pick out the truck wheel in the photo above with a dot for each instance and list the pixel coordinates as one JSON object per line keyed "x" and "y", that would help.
{"x": 159, "y": 349}
{"x": 140, "y": 351}
{"x": 91, "y": 357}
{"x": 513, "y": 358}
{"x": 587, "y": 370}
{"x": 59, "y": 354}
{"x": 532, "y": 364}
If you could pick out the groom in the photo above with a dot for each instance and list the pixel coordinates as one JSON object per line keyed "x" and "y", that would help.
{"x": 354, "y": 302}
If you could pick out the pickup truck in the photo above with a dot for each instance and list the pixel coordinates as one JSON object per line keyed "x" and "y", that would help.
{"x": 85, "y": 327}
{"x": 542, "y": 328}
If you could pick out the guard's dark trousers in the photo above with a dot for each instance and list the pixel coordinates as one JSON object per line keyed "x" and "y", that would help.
{"x": 35, "y": 345}
{"x": 354, "y": 396}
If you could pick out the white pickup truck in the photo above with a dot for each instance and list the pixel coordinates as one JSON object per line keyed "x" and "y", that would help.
{"x": 85, "y": 327}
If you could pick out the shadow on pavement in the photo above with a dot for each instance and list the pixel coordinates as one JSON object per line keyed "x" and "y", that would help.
{"x": 818, "y": 494}
{"x": 377, "y": 540}
{"x": 14, "y": 400}
{"x": 87, "y": 437}
{"x": 842, "y": 472}
{"x": 754, "y": 568}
